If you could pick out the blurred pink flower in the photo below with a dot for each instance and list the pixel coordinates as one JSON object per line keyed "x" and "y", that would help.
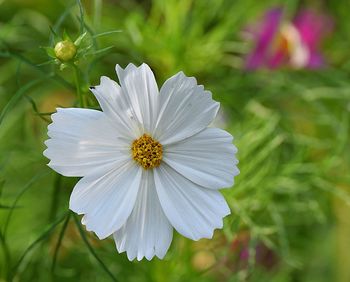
{"x": 240, "y": 253}
{"x": 293, "y": 43}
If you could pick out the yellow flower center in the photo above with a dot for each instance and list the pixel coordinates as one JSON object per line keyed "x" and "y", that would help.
{"x": 147, "y": 151}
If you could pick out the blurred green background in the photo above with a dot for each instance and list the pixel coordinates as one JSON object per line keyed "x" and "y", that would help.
{"x": 290, "y": 216}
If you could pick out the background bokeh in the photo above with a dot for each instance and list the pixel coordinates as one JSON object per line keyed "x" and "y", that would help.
{"x": 290, "y": 216}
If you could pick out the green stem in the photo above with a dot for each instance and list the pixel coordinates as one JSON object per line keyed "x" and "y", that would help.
{"x": 91, "y": 250}
{"x": 59, "y": 242}
{"x": 97, "y": 13}
{"x": 7, "y": 256}
{"x": 43, "y": 236}
{"x": 55, "y": 196}
{"x": 77, "y": 81}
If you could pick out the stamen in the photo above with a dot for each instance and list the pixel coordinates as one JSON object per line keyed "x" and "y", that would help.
{"x": 147, "y": 151}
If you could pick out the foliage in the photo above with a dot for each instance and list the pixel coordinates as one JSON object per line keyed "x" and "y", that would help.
{"x": 291, "y": 129}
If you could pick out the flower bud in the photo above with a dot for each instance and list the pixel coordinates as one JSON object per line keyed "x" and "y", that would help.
{"x": 65, "y": 50}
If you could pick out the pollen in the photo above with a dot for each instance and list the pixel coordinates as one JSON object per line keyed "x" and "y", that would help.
{"x": 147, "y": 151}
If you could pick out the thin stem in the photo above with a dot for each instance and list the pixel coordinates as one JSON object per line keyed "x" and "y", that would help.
{"x": 46, "y": 233}
{"x": 97, "y": 13}
{"x": 18, "y": 197}
{"x": 77, "y": 80}
{"x": 91, "y": 250}
{"x": 7, "y": 255}
{"x": 55, "y": 196}
{"x": 59, "y": 242}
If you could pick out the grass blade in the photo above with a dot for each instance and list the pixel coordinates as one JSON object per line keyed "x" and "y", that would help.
{"x": 24, "y": 60}
{"x": 40, "y": 238}
{"x": 14, "y": 204}
{"x": 81, "y": 17}
{"x": 17, "y": 97}
{"x": 58, "y": 23}
{"x": 59, "y": 242}
{"x": 35, "y": 109}
{"x": 83, "y": 236}
{"x": 107, "y": 33}
{"x": 2, "y": 184}
{"x": 7, "y": 207}
{"x": 7, "y": 254}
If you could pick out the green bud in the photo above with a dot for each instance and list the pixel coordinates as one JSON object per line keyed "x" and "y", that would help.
{"x": 65, "y": 50}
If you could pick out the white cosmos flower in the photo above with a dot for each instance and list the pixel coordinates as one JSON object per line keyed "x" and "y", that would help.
{"x": 148, "y": 161}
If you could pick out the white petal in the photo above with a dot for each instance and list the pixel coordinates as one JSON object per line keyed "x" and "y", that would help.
{"x": 82, "y": 139}
{"x": 147, "y": 231}
{"x": 207, "y": 158}
{"x": 185, "y": 109}
{"x": 194, "y": 211}
{"x": 141, "y": 90}
{"x": 107, "y": 199}
{"x": 115, "y": 104}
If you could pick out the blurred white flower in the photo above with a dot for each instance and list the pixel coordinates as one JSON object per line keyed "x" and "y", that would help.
{"x": 148, "y": 161}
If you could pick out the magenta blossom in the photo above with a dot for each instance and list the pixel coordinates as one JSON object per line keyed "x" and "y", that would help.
{"x": 293, "y": 43}
{"x": 241, "y": 253}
